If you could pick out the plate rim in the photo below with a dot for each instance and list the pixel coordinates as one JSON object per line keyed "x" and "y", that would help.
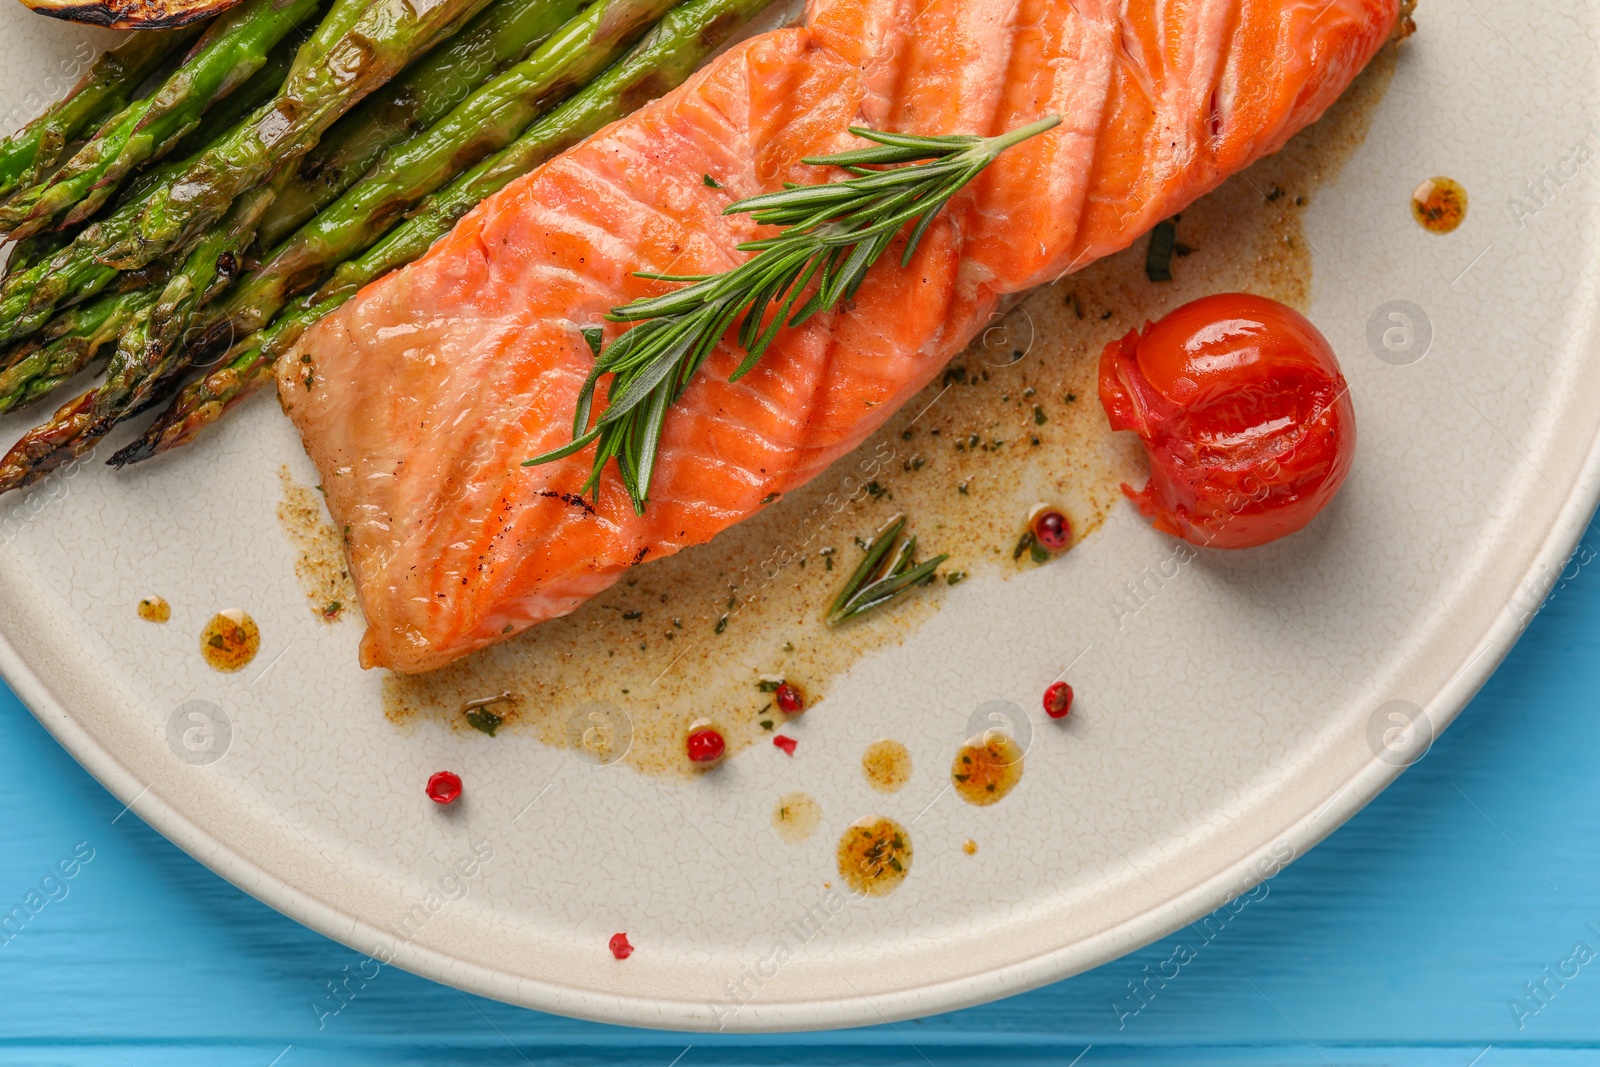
{"x": 1443, "y": 704}
{"x": 1189, "y": 905}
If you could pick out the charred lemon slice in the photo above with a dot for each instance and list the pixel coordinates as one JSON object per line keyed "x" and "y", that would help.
{"x": 131, "y": 14}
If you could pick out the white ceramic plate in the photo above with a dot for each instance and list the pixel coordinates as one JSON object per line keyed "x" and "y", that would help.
{"x": 1223, "y": 729}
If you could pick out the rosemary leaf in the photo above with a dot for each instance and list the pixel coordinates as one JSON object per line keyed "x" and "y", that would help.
{"x": 887, "y": 570}
{"x": 870, "y": 566}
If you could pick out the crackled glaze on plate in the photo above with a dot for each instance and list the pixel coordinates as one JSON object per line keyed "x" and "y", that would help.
{"x": 1231, "y": 708}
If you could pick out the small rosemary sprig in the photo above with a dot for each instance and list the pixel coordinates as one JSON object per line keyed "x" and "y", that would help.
{"x": 887, "y": 570}
{"x": 832, "y": 233}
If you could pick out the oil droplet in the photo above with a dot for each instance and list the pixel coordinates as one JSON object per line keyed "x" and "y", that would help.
{"x": 1439, "y": 205}
{"x": 887, "y": 765}
{"x": 796, "y": 817}
{"x": 230, "y": 640}
{"x": 970, "y": 847}
{"x": 154, "y": 609}
{"x": 987, "y": 768}
{"x": 874, "y": 855}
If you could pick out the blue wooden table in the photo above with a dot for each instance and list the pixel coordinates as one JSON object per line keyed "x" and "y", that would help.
{"x": 1454, "y": 921}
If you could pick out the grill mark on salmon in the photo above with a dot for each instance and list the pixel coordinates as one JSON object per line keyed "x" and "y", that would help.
{"x": 430, "y": 387}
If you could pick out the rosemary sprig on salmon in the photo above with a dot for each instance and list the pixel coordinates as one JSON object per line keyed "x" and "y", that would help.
{"x": 833, "y": 233}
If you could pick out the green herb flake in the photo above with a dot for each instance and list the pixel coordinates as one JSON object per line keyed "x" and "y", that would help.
{"x": 769, "y": 685}
{"x": 955, "y": 577}
{"x": 484, "y": 721}
{"x": 722, "y": 624}
{"x": 632, "y": 615}
{"x": 766, "y": 724}
{"x": 1039, "y": 417}
{"x": 711, "y": 183}
{"x": 1024, "y": 543}
{"x": 1158, "y": 260}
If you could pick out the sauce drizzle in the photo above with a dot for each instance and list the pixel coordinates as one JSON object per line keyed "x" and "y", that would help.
{"x": 987, "y": 768}
{"x": 886, "y": 765}
{"x": 874, "y": 855}
{"x": 1439, "y": 205}
{"x": 230, "y": 640}
{"x": 796, "y": 817}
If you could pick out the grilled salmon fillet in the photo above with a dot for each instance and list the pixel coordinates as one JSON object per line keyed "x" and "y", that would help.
{"x": 420, "y": 398}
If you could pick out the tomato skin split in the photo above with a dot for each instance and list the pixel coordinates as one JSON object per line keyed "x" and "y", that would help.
{"x": 1243, "y": 413}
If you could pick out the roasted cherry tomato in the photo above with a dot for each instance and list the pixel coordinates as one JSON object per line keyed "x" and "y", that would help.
{"x": 1243, "y": 412}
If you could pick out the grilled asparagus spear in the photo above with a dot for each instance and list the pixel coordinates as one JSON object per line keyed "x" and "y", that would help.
{"x": 147, "y": 350}
{"x": 110, "y": 83}
{"x": 233, "y": 49}
{"x": 370, "y": 42}
{"x": 383, "y": 38}
{"x": 45, "y": 363}
{"x": 422, "y": 94}
{"x": 668, "y": 55}
{"x": 260, "y": 88}
{"x": 486, "y": 121}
